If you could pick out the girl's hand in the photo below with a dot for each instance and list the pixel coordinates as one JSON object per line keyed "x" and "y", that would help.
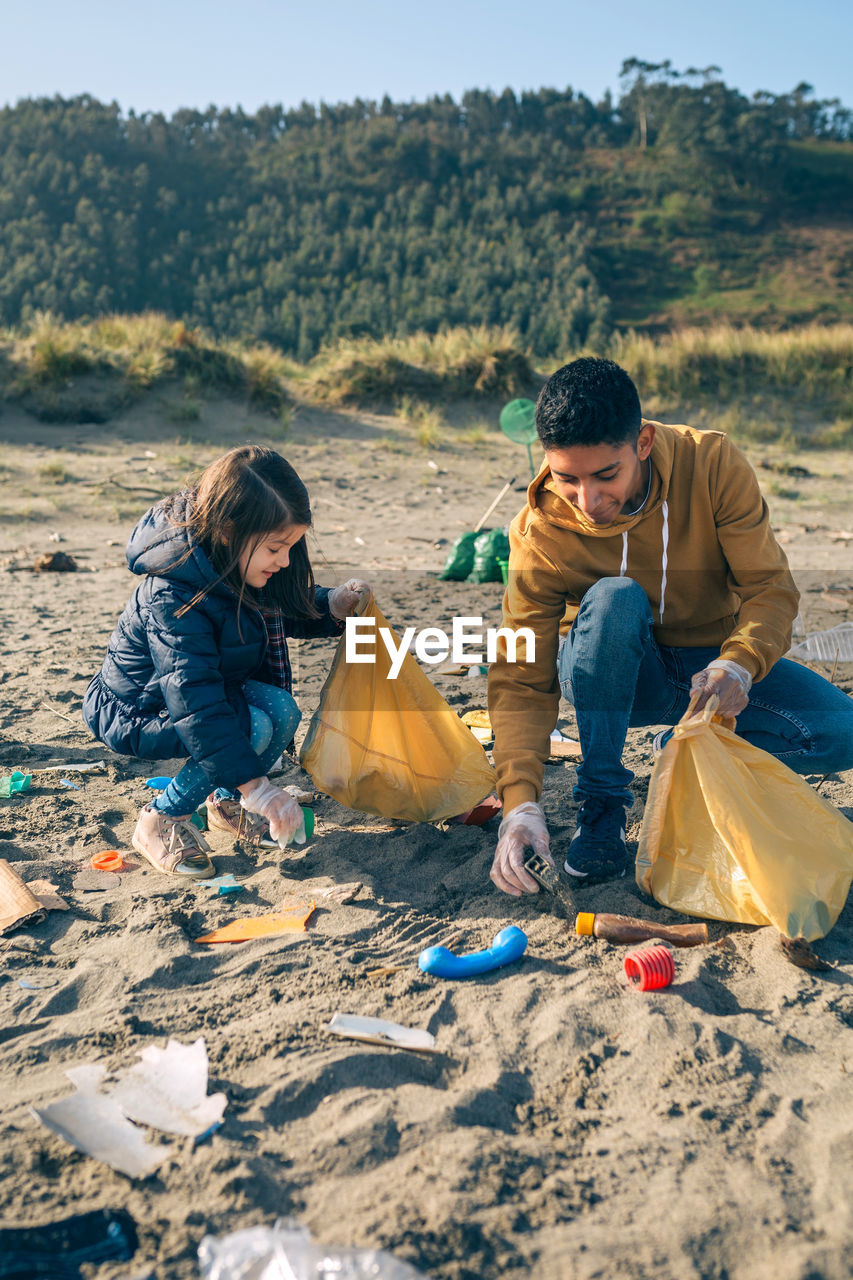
{"x": 278, "y": 807}
{"x": 343, "y": 600}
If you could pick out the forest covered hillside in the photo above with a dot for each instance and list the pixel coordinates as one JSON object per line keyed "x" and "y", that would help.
{"x": 680, "y": 202}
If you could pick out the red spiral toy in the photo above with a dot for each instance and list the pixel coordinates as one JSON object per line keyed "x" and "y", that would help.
{"x": 650, "y": 968}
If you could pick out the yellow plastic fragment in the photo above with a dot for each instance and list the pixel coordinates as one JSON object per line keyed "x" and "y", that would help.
{"x": 290, "y": 919}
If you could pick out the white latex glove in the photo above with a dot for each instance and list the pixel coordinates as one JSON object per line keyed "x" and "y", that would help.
{"x": 523, "y": 827}
{"x": 343, "y": 599}
{"x": 280, "y": 810}
{"x": 728, "y": 680}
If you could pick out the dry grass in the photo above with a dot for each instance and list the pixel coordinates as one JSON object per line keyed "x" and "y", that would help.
{"x": 459, "y": 362}
{"x": 764, "y": 386}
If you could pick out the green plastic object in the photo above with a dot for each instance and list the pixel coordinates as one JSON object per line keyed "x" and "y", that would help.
{"x": 460, "y": 560}
{"x": 518, "y": 423}
{"x": 308, "y": 815}
{"x": 503, "y": 565}
{"x": 14, "y": 783}
{"x": 199, "y": 818}
{"x": 490, "y": 548}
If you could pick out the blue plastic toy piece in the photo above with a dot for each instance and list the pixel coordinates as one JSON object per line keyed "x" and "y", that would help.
{"x": 223, "y": 885}
{"x": 157, "y": 784}
{"x": 507, "y": 946}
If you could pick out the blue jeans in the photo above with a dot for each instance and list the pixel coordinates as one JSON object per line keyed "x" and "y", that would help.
{"x": 273, "y": 719}
{"x": 617, "y": 676}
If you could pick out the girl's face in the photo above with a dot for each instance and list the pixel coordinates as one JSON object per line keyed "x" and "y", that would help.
{"x": 257, "y": 564}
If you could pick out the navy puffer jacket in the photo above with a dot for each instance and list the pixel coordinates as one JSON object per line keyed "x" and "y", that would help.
{"x": 171, "y": 686}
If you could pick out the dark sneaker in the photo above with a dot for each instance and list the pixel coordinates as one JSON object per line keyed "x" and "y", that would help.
{"x": 598, "y": 850}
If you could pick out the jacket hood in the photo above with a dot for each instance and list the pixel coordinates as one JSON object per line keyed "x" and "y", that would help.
{"x": 548, "y": 506}
{"x": 159, "y": 546}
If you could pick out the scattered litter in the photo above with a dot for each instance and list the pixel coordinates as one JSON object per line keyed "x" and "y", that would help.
{"x": 802, "y": 954}
{"x": 359, "y": 542}
{"x": 479, "y": 669}
{"x": 449, "y": 668}
{"x": 167, "y": 1089}
{"x": 547, "y": 877}
{"x": 108, "y": 860}
{"x": 834, "y": 602}
{"x": 299, "y": 795}
{"x": 59, "y": 1248}
{"x": 91, "y": 766}
{"x": 55, "y": 537}
{"x": 561, "y": 746}
{"x": 480, "y": 725}
{"x": 95, "y": 881}
{"x": 352, "y": 1026}
{"x": 222, "y": 884}
{"x": 47, "y": 895}
{"x": 291, "y": 919}
{"x": 15, "y": 782}
{"x": 287, "y": 1252}
{"x": 158, "y": 784}
{"x": 507, "y": 946}
{"x": 66, "y": 782}
{"x": 826, "y": 646}
{"x": 342, "y": 893}
{"x": 149, "y": 453}
{"x": 613, "y": 928}
{"x": 96, "y": 1126}
{"x": 18, "y": 904}
{"x": 55, "y": 562}
{"x": 649, "y": 969}
{"x": 37, "y": 986}
{"x": 479, "y": 815}
{"x": 385, "y": 970}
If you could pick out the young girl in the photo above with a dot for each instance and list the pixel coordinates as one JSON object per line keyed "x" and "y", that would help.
{"x": 198, "y": 666}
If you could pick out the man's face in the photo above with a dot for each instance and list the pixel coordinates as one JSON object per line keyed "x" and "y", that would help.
{"x": 602, "y": 480}
{"x": 271, "y": 554}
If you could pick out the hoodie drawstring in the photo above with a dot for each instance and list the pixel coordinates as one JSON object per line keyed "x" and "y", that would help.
{"x": 664, "y": 557}
{"x": 623, "y": 568}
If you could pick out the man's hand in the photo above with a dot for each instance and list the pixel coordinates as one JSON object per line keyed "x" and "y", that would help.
{"x": 524, "y": 827}
{"x": 729, "y": 681}
{"x": 344, "y": 599}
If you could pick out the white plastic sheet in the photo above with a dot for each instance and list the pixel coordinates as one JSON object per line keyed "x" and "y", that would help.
{"x": 287, "y": 1252}
{"x": 166, "y": 1090}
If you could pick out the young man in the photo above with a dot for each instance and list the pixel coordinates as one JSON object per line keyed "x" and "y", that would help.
{"x": 645, "y": 565}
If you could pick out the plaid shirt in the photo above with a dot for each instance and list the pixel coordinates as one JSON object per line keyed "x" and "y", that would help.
{"x": 278, "y": 659}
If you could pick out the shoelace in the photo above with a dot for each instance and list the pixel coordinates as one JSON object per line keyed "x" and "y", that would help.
{"x": 182, "y": 838}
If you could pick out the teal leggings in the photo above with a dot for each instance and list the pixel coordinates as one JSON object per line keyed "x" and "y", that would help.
{"x": 273, "y": 719}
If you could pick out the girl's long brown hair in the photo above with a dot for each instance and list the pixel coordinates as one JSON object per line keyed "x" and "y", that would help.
{"x": 244, "y": 496}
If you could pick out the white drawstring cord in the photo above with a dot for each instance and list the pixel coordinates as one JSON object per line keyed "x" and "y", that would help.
{"x": 623, "y": 568}
{"x": 664, "y": 557}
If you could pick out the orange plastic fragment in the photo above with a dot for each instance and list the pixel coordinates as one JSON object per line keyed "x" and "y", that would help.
{"x": 291, "y": 919}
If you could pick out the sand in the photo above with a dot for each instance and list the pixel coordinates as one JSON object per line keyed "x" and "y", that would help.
{"x": 568, "y": 1126}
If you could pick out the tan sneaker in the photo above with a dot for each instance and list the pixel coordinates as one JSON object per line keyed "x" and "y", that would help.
{"x": 230, "y": 816}
{"x": 172, "y": 845}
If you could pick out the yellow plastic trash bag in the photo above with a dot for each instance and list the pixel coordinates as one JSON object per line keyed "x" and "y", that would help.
{"x": 392, "y": 747}
{"x": 729, "y": 832}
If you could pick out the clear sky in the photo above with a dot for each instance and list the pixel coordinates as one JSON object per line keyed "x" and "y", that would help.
{"x": 158, "y": 55}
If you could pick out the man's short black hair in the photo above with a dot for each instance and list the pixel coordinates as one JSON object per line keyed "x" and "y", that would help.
{"x": 588, "y": 402}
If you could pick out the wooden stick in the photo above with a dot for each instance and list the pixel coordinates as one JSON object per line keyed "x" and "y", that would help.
{"x": 489, "y": 510}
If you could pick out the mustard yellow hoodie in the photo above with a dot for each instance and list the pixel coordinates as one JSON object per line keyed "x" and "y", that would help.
{"x": 701, "y": 549}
